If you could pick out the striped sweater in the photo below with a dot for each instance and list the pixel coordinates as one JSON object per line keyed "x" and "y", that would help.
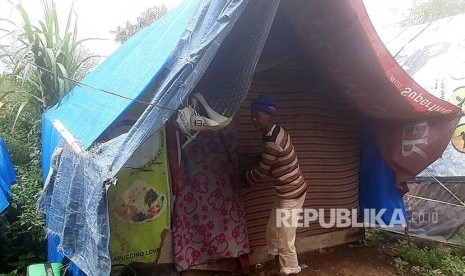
{"x": 279, "y": 161}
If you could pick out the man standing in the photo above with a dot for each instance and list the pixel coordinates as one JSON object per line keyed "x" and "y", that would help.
{"x": 279, "y": 161}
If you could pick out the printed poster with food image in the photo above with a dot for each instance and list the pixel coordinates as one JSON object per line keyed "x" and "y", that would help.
{"x": 139, "y": 204}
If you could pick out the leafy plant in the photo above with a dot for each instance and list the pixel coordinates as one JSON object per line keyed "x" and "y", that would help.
{"x": 428, "y": 261}
{"x": 401, "y": 265}
{"x": 373, "y": 237}
{"x": 461, "y": 242}
{"x": 22, "y": 229}
{"x": 42, "y": 62}
{"x": 41, "y": 59}
{"x": 24, "y": 141}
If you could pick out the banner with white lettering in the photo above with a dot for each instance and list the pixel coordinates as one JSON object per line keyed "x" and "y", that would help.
{"x": 434, "y": 55}
{"x": 414, "y": 142}
{"x": 412, "y": 127}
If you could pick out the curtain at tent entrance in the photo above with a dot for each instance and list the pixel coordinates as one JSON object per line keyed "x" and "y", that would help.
{"x": 377, "y": 191}
{"x": 217, "y": 230}
{"x": 208, "y": 218}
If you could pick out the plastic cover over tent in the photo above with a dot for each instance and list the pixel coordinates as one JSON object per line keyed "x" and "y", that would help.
{"x": 434, "y": 55}
{"x": 164, "y": 62}
{"x": 7, "y": 176}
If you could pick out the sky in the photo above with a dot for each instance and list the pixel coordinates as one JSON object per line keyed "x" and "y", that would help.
{"x": 386, "y": 16}
{"x": 96, "y": 18}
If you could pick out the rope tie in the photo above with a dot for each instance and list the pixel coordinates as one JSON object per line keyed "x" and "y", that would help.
{"x": 100, "y": 89}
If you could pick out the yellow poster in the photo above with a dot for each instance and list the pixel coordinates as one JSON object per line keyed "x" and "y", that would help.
{"x": 139, "y": 204}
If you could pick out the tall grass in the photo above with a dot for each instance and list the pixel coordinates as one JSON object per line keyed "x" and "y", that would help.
{"x": 42, "y": 58}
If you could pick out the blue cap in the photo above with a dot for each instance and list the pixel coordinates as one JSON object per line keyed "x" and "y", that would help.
{"x": 265, "y": 104}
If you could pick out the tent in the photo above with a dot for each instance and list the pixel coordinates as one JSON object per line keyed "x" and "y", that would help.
{"x": 7, "y": 176}
{"x": 328, "y": 70}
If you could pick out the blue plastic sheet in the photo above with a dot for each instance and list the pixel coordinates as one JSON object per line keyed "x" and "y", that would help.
{"x": 7, "y": 176}
{"x": 378, "y": 189}
{"x": 163, "y": 63}
{"x": 87, "y": 112}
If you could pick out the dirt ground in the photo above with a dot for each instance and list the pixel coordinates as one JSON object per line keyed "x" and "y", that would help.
{"x": 344, "y": 260}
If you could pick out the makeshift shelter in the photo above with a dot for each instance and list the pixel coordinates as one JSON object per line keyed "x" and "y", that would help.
{"x": 327, "y": 69}
{"x": 7, "y": 176}
{"x": 433, "y": 54}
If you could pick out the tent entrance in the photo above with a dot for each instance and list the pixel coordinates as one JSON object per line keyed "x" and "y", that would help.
{"x": 325, "y": 131}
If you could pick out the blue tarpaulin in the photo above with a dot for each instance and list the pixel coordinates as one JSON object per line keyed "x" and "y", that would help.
{"x": 86, "y": 112}
{"x": 7, "y": 176}
{"x": 164, "y": 61}
{"x": 377, "y": 191}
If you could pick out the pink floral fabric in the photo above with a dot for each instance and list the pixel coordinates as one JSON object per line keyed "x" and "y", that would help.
{"x": 209, "y": 218}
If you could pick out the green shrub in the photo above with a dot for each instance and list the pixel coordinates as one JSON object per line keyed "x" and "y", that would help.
{"x": 461, "y": 242}
{"x": 39, "y": 60}
{"x": 23, "y": 143}
{"x": 22, "y": 229}
{"x": 21, "y": 131}
{"x": 428, "y": 261}
{"x": 373, "y": 237}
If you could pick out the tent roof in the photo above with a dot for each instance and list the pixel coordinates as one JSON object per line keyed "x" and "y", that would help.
{"x": 340, "y": 35}
{"x": 433, "y": 55}
{"x": 347, "y": 47}
{"x": 87, "y": 112}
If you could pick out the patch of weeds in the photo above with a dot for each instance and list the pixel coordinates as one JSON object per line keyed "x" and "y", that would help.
{"x": 22, "y": 229}
{"x": 401, "y": 265}
{"x": 373, "y": 237}
{"x": 413, "y": 260}
{"x": 461, "y": 236}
